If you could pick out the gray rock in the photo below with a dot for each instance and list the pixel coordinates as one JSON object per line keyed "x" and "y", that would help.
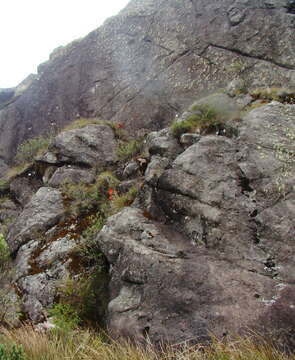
{"x": 92, "y": 145}
{"x": 162, "y": 143}
{"x": 24, "y": 187}
{"x": 6, "y": 94}
{"x": 189, "y": 139}
{"x": 166, "y": 289}
{"x": 235, "y": 87}
{"x": 131, "y": 169}
{"x": 42, "y": 212}
{"x": 70, "y": 174}
{"x": 139, "y": 70}
{"x": 39, "y": 292}
{"x": 22, "y": 262}
{"x": 155, "y": 169}
{"x": 3, "y": 168}
{"x": 227, "y": 253}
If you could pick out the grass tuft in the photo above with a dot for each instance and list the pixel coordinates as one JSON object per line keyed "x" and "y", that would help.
{"x": 88, "y": 345}
{"x": 205, "y": 118}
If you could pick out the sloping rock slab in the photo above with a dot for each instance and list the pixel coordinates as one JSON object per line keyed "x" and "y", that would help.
{"x": 42, "y": 212}
{"x": 93, "y": 145}
{"x": 165, "y": 288}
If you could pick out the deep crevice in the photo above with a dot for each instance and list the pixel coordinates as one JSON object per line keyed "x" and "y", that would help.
{"x": 257, "y": 57}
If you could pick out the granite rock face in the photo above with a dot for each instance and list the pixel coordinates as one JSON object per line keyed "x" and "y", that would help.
{"x": 221, "y": 258}
{"x": 41, "y": 213}
{"x": 149, "y": 63}
{"x": 208, "y": 244}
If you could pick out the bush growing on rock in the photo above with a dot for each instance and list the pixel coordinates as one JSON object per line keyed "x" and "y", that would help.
{"x": 4, "y": 252}
{"x": 204, "y": 118}
{"x": 130, "y": 149}
{"x": 31, "y": 148}
{"x": 12, "y": 353}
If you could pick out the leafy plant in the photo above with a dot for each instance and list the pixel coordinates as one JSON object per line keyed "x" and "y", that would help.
{"x": 13, "y": 352}
{"x": 65, "y": 317}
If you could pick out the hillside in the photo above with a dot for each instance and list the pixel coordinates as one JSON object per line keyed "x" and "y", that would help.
{"x": 147, "y": 176}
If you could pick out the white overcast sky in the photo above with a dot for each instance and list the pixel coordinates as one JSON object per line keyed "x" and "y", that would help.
{"x": 31, "y": 29}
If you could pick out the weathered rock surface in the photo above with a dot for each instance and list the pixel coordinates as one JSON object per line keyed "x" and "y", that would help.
{"x": 70, "y": 174}
{"x": 222, "y": 261}
{"x": 41, "y": 213}
{"x": 92, "y": 145}
{"x": 208, "y": 244}
{"x": 24, "y": 187}
{"x": 150, "y": 61}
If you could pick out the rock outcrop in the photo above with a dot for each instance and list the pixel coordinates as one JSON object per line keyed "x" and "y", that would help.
{"x": 149, "y": 62}
{"x": 194, "y": 222}
{"x": 221, "y": 258}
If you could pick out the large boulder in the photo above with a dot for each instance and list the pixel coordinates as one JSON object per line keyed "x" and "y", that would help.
{"x": 221, "y": 259}
{"x": 41, "y": 213}
{"x": 92, "y": 145}
{"x": 149, "y": 62}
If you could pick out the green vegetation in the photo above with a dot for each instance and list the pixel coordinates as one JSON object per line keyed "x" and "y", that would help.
{"x": 123, "y": 200}
{"x": 87, "y": 345}
{"x": 85, "y": 199}
{"x": 118, "y": 130}
{"x": 274, "y": 93}
{"x": 4, "y": 253}
{"x": 129, "y": 149}
{"x": 31, "y": 148}
{"x": 82, "y": 122}
{"x": 13, "y": 352}
{"x": 85, "y": 296}
{"x": 205, "y": 118}
{"x": 65, "y": 317}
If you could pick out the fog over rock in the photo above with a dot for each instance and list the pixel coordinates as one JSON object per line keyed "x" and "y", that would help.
{"x": 171, "y": 217}
{"x": 150, "y": 62}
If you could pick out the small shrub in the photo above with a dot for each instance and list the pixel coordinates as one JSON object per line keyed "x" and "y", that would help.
{"x": 31, "y": 148}
{"x": 84, "y": 199}
{"x": 274, "y": 93}
{"x": 205, "y": 118}
{"x": 128, "y": 150}
{"x": 123, "y": 200}
{"x": 65, "y": 317}
{"x": 96, "y": 223}
{"x": 13, "y": 352}
{"x": 4, "y": 252}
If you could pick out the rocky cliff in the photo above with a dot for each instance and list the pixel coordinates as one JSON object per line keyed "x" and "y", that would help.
{"x": 173, "y": 217}
{"x": 151, "y": 61}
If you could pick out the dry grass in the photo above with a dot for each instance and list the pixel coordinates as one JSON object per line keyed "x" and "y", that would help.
{"x": 86, "y": 345}
{"x": 82, "y": 122}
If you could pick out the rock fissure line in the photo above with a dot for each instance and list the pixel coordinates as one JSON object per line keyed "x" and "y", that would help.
{"x": 147, "y": 39}
{"x": 242, "y": 53}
